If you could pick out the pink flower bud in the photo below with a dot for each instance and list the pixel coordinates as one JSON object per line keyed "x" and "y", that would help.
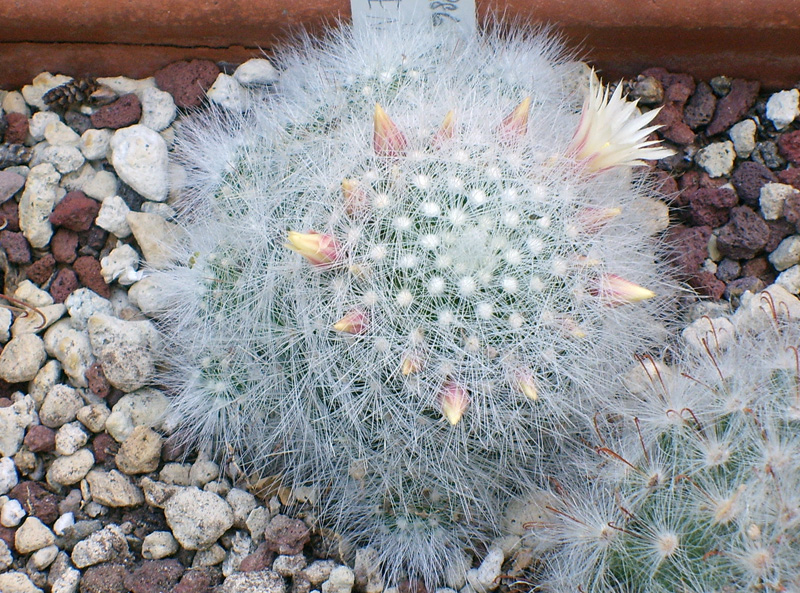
{"x": 354, "y": 322}
{"x": 515, "y": 125}
{"x": 615, "y": 291}
{"x": 387, "y": 139}
{"x": 446, "y": 130}
{"x": 318, "y": 248}
{"x": 411, "y": 363}
{"x": 454, "y": 400}
{"x": 356, "y": 201}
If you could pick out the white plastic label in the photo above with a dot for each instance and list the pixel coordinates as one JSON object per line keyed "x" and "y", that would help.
{"x": 442, "y": 13}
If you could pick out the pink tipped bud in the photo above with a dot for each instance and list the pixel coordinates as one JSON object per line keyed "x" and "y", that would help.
{"x": 354, "y": 322}
{"x": 515, "y": 125}
{"x": 527, "y": 386}
{"x": 356, "y": 201}
{"x": 615, "y": 290}
{"x": 411, "y": 363}
{"x": 387, "y": 139}
{"x": 593, "y": 219}
{"x": 446, "y": 130}
{"x": 454, "y": 401}
{"x": 318, "y": 248}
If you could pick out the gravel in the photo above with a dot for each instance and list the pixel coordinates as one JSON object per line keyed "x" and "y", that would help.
{"x": 93, "y": 494}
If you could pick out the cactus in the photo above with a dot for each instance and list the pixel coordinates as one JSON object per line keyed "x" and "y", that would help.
{"x": 694, "y": 487}
{"x": 403, "y": 269}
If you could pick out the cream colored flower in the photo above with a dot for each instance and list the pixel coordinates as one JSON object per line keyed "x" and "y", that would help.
{"x": 612, "y": 132}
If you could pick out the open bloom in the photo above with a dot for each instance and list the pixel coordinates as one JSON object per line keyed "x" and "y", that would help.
{"x": 613, "y": 133}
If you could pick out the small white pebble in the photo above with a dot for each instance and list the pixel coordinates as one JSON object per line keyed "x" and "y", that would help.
{"x": 12, "y": 513}
{"x": 64, "y": 522}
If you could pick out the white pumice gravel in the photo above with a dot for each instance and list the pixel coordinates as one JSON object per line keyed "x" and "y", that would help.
{"x": 783, "y": 108}
{"x": 12, "y": 513}
{"x": 113, "y": 217}
{"x": 159, "y": 544}
{"x": 36, "y": 204}
{"x": 124, "y": 349}
{"x": 113, "y": 489}
{"x": 256, "y": 71}
{"x": 717, "y": 158}
{"x": 139, "y": 156}
{"x": 14, "y": 419}
{"x": 197, "y": 518}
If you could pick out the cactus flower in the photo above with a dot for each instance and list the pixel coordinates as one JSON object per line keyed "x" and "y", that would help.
{"x": 615, "y": 290}
{"x": 318, "y": 248}
{"x": 612, "y": 133}
{"x": 515, "y": 125}
{"x": 354, "y": 322}
{"x": 454, "y": 400}
{"x": 387, "y": 139}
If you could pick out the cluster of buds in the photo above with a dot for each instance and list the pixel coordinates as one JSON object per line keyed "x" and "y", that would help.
{"x": 608, "y": 135}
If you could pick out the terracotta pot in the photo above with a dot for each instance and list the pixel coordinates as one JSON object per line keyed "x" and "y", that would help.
{"x": 755, "y": 39}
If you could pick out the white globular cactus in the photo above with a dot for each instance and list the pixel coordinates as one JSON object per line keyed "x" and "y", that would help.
{"x": 695, "y": 487}
{"x": 404, "y": 267}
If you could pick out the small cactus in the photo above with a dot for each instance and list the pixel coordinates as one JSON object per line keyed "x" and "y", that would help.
{"x": 694, "y": 487}
{"x": 405, "y": 268}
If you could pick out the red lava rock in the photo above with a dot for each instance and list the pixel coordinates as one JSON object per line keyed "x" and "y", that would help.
{"x": 9, "y": 214}
{"x": 778, "y": 231}
{"x": 7, "y": 535}
{"x": 64, "y": 246}
{"x": 728, "y": 269}
{"x": 260, "y": 559}
{"x": 124, "y": 112}
{"x": 286, "y": 536}
{"x": 790, "y": 176}
{"x": 665, "y": 184}
{"x": 744, "y": 236}
{"x": 700, "y": 108}
{"x": 104, "y": 447}
{"x": 711, "y": 206}
{"x": 705, "y": 283}
{"x": 40, "y": 271}
{"x": 758, "y": 266}
{"x": 734, "y": 105}
{"x": 789, "y": 147}
{"x": 94, "y": 238}
{"x": 88, "y": 270}
{"x": 791, "y": 210}
{"x": 198, "y": 580}
{"x": 154, "y": 576}
{"x": 6, "y": 402}
{"x": 98, "y": 384}
{"x": 17, "y": 131}
{"x": 40, "y": 439}
{"x": 77, "y": 121}
{"x": 16, "y": 247}
{"x": 104, "y": 578}
{"x": 748, "y": 179}
{"x": 739, "y": 286}
{"x": 75, "y": 212}
{"x": 37, "y": 501}
{"x": 63, "y": 284}
{"x": 678, "y": 87}
{"x": 690, "y": 247}
{"x": 187, "y": 82}
{"x": 674, "y": 129}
